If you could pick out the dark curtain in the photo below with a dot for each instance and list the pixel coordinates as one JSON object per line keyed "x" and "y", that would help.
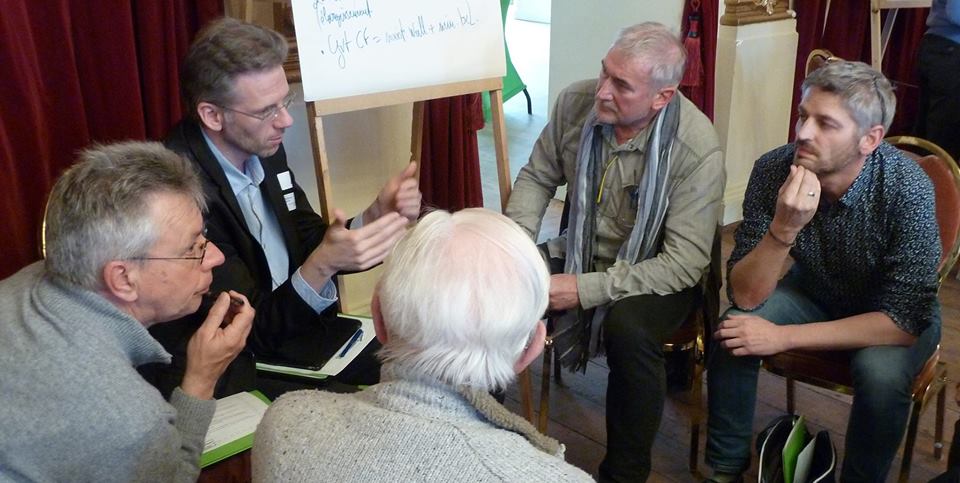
{"x": 450, "y": 162}
{"x": 847, "y": 35}
{"x": 701, "y": 92}
{"x": 76, "y": 73}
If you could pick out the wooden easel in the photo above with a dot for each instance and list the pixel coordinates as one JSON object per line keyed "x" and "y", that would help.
{"x": 418, "y": 95}
{"x": 878, "y": 38}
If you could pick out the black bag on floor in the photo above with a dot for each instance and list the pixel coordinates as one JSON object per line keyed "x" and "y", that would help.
{"x": 771, "y": 441}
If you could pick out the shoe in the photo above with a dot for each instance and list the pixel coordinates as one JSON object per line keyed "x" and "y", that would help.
{"x": 724, "y": 479}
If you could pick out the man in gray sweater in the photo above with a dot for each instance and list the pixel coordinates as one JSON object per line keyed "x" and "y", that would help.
{"x": 458, "y": 313}
{"x": 125, "y": 249}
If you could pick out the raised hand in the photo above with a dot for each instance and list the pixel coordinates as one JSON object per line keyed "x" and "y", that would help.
{"x": 797, "y": 202}
{"x": 401, "y": 194}
{"x": 216, "y": 343}
{"x": 352, "y": 250}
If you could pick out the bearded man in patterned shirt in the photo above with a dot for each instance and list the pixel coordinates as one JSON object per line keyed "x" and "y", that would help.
{"x": 857, "y": 218}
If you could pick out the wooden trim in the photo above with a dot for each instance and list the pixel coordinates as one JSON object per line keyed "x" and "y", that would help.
{"x": 500, "y": 146}
{"x": 402, "y": 96}
{"x": 904, "y": 3}
{"x": 416, "y": 135}
{"x": 745, "y": 12}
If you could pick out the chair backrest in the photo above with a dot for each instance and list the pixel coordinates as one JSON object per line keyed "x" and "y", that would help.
{"x": 817, "y": 59}
{"x": 943, "y": 172}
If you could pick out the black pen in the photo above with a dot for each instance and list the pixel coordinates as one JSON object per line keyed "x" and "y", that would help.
{"x": 353, "y": 340}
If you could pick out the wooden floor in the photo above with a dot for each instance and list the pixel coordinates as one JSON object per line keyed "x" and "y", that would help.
{"x": 577, "y": 409}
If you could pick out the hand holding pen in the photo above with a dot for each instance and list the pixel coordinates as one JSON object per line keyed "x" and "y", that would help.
{"x": 216, "y": 343}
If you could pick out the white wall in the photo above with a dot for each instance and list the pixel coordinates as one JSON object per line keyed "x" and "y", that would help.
{"x": 581, "y": 31}
{"x": 754, "y": 89}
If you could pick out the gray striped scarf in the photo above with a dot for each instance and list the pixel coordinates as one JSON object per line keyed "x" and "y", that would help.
{"x": 576, "y": 333}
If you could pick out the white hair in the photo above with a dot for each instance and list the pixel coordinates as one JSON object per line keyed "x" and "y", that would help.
{"x": 657, "y": 47}
{"x": 460, "y": 297}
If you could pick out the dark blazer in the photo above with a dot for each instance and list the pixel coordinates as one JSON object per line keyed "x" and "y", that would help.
{"x": 282, "y": 318}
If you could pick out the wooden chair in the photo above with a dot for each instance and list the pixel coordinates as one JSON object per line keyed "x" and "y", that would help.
{"x": 690, "y": 336}
{"x": 819, "y": 58}
{"x": 831, "y": 369}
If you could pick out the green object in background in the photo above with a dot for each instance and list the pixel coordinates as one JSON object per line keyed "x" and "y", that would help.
{"x": 512, "y": 84}
{"x": 791, "y": 450}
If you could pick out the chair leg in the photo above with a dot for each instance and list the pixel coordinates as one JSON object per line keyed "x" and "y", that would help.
{"x": 526, "y": 396}
{"x": 696, "y": 396}
{"x": 544, "y": 416}
{"x": 911, "y": 440}
{"x": 557, "y": 368}
{"x": 529, "y": 102}
{"x": 791, "y": 392}
{"x": 938, "y": 429}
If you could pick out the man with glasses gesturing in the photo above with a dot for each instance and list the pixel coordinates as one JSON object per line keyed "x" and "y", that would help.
{"x": 278, "y": 251}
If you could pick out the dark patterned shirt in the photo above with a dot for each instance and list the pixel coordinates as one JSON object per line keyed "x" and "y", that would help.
{"x": 875, "y": 249}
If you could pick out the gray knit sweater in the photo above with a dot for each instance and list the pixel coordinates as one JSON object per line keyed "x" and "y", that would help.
{"x": 72, "y": 405}
{"x": 407, "y": 428}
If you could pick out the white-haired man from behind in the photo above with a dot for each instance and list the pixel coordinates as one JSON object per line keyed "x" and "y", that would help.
{"x": 458, "y": 312}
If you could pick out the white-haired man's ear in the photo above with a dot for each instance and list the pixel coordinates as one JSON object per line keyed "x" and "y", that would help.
{"x": 533, "y": 350}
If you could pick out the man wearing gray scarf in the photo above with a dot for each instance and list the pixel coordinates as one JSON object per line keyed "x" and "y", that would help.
{"x": 644, "y": 174}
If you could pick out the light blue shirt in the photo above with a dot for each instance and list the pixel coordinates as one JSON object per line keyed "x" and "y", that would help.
{"x": 263, "y": 225}
{"x": 944, "y": 19}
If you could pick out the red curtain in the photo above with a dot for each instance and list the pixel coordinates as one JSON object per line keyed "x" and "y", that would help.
{"x": 847, "y": 35}
{"x": 76, "y": 73}
{"x": 702, "y": 91}
{"x": 450, "y": 166}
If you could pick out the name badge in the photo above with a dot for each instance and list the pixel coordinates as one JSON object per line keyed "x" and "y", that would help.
{"x": 286, "y": 182}
{"x": 291, "y": 201}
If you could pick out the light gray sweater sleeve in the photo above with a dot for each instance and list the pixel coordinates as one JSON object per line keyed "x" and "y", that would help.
{"x": 193, "y": 420}
{"x": 175, "y": 457}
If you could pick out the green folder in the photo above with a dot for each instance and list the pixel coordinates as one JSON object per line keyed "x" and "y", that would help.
{"x": 236, "y": 446}
{"x": 791, "y": 450}
{"x": 291, "y": 371}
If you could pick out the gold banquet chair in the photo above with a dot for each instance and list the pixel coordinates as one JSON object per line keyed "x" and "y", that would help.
{"x": 831, "y": 369}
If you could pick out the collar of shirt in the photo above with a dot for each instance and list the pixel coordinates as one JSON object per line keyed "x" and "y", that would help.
{"x": 638, "y": 143}
{"x": 858, "y": 189}
{"x": 239, "y": 180}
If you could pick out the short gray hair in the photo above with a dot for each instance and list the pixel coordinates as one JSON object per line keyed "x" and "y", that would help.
{"x": 865, "y": 93}
{"x": 223, "y": 50}
{"x": 99, "y": 209}
{"x": 461, "y": 295}
{"x": 657, "y": 47}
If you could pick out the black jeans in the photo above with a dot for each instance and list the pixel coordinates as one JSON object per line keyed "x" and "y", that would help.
{"x": 634, "y": 331}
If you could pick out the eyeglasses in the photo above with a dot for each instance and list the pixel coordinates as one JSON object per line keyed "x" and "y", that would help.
{"x": 270, "y": 113}
{"x": 203, "y": 253}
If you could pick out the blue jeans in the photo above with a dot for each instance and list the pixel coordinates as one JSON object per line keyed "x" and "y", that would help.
{"x": 882, "y": 380}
